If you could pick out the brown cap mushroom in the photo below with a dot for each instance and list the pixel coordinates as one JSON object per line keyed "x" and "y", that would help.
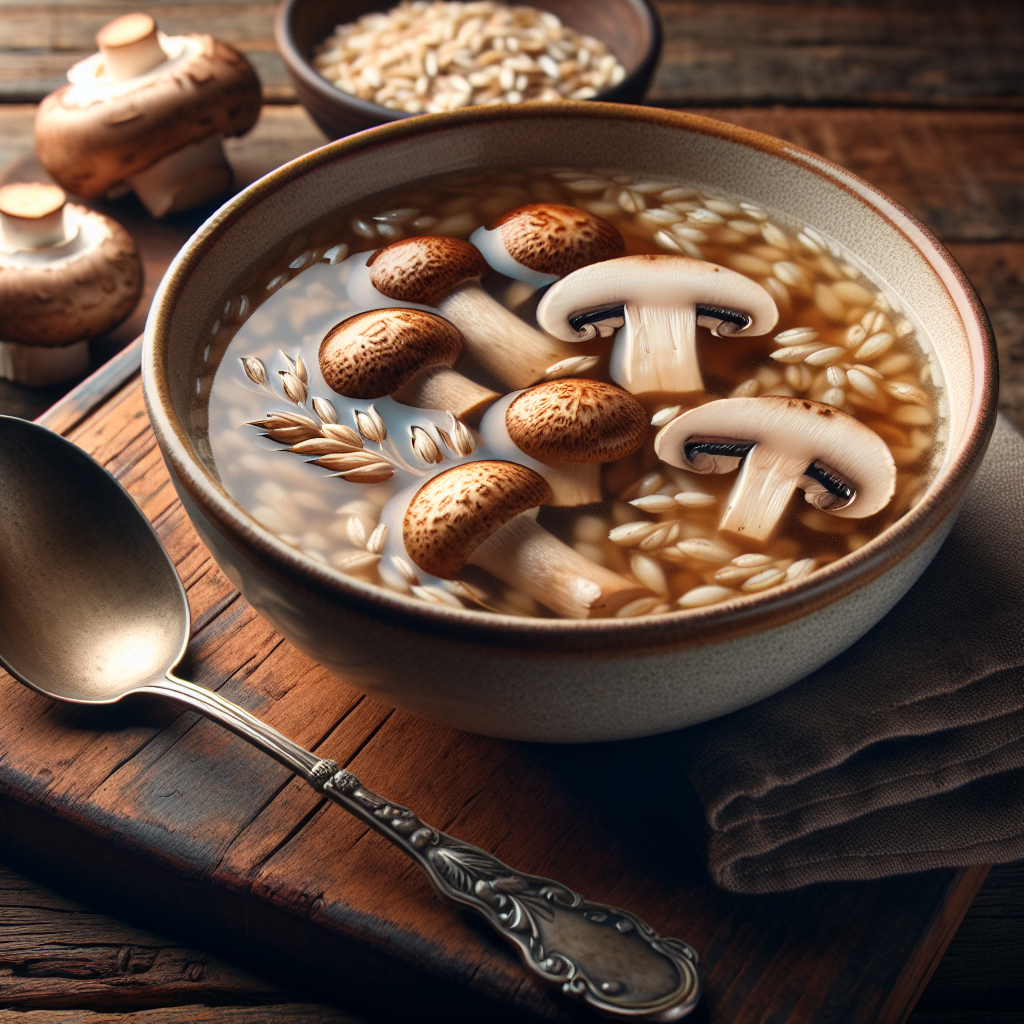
{"x": 540, "y": 243}
{"x": 567, "y": 428}
{"x": 149, "y": 110}
{"x": 659, "y": 300}
{"x": 405, "y": 353}
{"x": 445, "y": 273}
{"x": 67, "y": 274}
{"x": 843, "y": 467}
{"x": 478, "y": 513}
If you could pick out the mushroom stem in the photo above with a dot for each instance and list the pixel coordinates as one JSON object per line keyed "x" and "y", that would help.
{"x": 526, "y": 556}
{"x": 185, "y": 178}
{"x": 509, "y": 350}
{"x": 32, "y": 217}
{"x": 656, "y": 350}
{"x": 130, "y": 47}
{"x": 39, "y": 366}
{"x": 440, "y": 387}
{"x": 763, "y": 489}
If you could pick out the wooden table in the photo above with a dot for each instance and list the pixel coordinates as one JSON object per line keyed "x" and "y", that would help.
{"x": 941, "y": 135}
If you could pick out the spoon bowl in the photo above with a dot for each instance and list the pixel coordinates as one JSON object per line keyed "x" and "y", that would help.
{"x": 91, "y": 609}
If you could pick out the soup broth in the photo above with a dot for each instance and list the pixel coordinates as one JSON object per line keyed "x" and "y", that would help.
{"x": 841, "y": 340}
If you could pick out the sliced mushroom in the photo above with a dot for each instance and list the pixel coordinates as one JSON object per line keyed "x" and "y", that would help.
{"x": 540, "y": 243}
{"x": 149, "y": 111}
{"x": 67, "y": 274}
{"x": 658, "y": 301}
{"x": 405, "y": 353}
{"x": 843, "y": 467}
{"x": 445, "y": 273}
{"x": 566, "y": 428}
{"x": 479, "y": 513}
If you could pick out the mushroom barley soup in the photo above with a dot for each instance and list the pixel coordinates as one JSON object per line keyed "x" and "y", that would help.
{"x": 528, "y": 393}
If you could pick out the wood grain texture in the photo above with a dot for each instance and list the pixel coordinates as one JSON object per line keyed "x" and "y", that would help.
{"x": 168, "y": 814}
{"x": 716, "y": 51}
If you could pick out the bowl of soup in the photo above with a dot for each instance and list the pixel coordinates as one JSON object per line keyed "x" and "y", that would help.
{"x": 568, "y": 422}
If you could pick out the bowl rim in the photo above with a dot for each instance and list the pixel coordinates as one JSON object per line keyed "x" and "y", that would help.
{"x": 731, "y": 619}
{"x": 299, "y": 66}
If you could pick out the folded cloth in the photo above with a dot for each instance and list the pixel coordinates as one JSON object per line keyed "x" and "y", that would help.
{"x": 907, "y": 751}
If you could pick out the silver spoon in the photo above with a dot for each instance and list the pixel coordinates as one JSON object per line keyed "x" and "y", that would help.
{"x": 92, "y": 610}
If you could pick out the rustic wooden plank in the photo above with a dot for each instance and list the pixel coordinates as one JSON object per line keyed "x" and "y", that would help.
{"x": 961, "y": 173}
{"x": 868, "y": 53}
{"x": 982, "y": 965}
{"x": 725, "y": 52}
{"x": 297, "y": 1013}
{"x": 56, "y": 953}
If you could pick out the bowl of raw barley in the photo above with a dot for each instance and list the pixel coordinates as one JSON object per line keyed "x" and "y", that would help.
{"x": 359, "y": 64}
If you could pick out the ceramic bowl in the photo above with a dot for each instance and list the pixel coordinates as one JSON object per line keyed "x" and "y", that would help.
{"x": 544, "y": 679}
{"x": 629, "y": 28}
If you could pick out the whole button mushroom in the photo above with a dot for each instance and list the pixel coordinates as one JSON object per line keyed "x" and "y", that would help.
{"x": 540, "y": 243}
{"x": 658, "y": 301}
{"x": 67, "y": 274}
{"x": 149, "y": 111}
{"x": 405, "y": 353}
{"x": 568, "y": 427}
{"x": 843, "y": 467}
{"x": 478, "y": 513}
{"x": 443, "y": 272}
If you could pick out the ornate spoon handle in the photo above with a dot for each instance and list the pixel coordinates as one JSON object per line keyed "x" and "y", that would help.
{"x": 605, "y": 957}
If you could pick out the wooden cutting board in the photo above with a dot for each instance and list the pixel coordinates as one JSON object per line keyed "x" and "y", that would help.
{"x": 162, "y": 813}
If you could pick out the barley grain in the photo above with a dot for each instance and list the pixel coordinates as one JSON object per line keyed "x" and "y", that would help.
{"x": 764, "y": 580}
{"x": 801, "y": 569}
{"x": 666, "y": 415}
{"x": 694, "y": 499}
{"x": 876, "y": 345}
{"x": 796, "y": 336}
{"x": 699, "y": 597}
{"x": 825, "y": 356}
{"x": 648, "y": 572}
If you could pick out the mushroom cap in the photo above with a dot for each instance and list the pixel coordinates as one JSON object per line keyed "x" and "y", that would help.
{"x": 554, "y": 239}
{"x": 576, "y": 420}
{"x": 455, "y": 511}
{"x": 72, "y": 292}
{"x": 805, "y": 430}
{"x": 372, "y": 354}
{"x": 654, "y": 280}
{"x": 424, "y": 269}
{"x": 90, "y": 137}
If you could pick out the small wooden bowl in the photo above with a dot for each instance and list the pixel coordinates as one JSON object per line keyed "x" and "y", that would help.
{"x": 629, "y": 28}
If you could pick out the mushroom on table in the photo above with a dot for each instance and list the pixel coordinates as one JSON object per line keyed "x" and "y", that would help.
{"x": 658, "y": 301}
{"x": 784, "y": 444}
{"x": 67, "y": 274}
{"x": 479, "y": 513}
{"x": 445, "y": 273}
{"x": 148, "y": 112}
{"x": 405, "y": 353}
{"x": 539, "y": 243}
{"x": 568, "y": 427}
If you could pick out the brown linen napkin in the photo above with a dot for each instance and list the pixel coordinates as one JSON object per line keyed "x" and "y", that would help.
{"x": 907, "y": 751}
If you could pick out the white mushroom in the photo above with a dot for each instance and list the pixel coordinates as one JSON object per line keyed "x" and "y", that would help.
{"x": 67, "y": 274}
{"x": 149, "y": 111}
{"x": 843, "y": 467}
{"x": 405, "y": 353}
{"x": 479, "y": 513}
{"x": 539, "y": 243}
{"x": 658, "y": 301}
{"x": 563, "y": 430}
{"x": 445, "y": 273}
